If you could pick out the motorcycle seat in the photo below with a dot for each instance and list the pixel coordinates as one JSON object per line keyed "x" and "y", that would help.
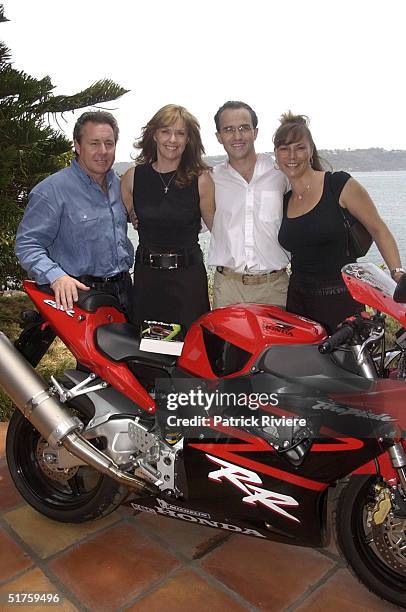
{"x": 120, "y": 342}
{"x": 89, "y": 300}
{"x": 92, "y": 300}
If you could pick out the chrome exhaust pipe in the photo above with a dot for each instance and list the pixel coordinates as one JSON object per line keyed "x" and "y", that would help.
{"x": 31, "y": 396}
{"x": 80, "y": 447}
{"x": 47, "y": 414}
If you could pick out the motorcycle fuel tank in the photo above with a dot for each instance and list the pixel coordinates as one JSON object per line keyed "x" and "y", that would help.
{"x": 227, "y": 340}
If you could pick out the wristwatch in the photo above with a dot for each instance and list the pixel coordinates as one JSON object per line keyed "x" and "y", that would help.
{"x": 395, "y": 270}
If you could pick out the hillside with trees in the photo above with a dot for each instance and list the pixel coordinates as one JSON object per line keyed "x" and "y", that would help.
{"x": 365, "y": 160}
{"x": 351, "y": 160}
{"x": 354, "y": 160}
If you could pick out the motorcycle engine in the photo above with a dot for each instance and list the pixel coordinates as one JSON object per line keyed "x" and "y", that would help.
{"x": 137, "y": 448}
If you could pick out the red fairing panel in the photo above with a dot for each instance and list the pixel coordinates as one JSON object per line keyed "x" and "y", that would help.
{"x": 77, "y": 329}
{"x": 370, "y": 285}
{"x": 251, "y": 327}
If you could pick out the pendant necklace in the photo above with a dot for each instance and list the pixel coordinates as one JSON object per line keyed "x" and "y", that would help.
{"x": 300, "y": 196}
{"x": 306, "y": 189}
{"x": 166, "y": 185}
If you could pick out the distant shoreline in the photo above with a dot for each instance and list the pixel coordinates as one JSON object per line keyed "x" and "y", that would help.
{"x": 351, "y": 160}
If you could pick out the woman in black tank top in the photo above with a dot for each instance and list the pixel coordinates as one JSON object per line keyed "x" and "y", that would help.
{"x": 169, "y": 191}
{"x": 313, "y": 231}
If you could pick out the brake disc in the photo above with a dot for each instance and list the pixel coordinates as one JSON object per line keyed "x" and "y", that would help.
{"x": 51, "y": 470}
{"x": 390, "y": 541}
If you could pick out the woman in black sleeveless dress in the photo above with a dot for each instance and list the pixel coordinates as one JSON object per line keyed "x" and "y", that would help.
{"x": 313, "y": 231}
{"x": 169, "y": 191}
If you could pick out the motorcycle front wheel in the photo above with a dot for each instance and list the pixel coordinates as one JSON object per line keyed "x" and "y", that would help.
{"x": 376, "y": 553}
{"x": 73, "y": 495}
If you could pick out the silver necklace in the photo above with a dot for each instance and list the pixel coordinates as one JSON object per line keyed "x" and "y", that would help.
{"x": 306, "y": 189}
{"x": 166, "y": 185}
{"x": 300, "y": 196}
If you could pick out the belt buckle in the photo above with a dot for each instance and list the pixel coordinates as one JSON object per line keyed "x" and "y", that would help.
{"x": 255, "y": 279}
{"x": 152, "y": 256}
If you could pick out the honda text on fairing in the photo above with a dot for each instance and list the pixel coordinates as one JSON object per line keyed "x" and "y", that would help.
{"x": 248, "y": 431}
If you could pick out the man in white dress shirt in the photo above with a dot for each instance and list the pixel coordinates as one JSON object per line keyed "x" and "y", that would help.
{"x": 250, "y": 263}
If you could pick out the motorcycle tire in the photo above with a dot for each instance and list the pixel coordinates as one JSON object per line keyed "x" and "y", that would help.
{"x": 84, "y": 496}
{"x": 378, "y": 569}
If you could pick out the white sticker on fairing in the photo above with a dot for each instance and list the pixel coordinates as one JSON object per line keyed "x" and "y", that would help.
{"x": 164, "y": 504}
{"x": 192, "y": 518}
{"x": 248, "y": 482}
{"x": 70, "y": 313}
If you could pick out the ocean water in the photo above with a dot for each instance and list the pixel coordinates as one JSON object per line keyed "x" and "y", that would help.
{"x": 387, "y": 190}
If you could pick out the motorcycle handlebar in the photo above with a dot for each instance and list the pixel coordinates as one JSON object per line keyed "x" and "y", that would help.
{"x": 343, "y": 334}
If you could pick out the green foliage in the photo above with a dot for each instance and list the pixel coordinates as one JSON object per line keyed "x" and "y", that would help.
{"x": 30, "y": 148}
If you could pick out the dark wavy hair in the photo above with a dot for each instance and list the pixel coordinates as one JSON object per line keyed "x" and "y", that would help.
{"x": 292, "y": 129}
{"x": 95, "y": 117}
{"x": 191, "y": 164}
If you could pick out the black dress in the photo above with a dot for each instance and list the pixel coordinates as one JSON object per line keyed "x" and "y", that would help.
{"x": 317, "y": 241}
{"x": 168, "y": 223}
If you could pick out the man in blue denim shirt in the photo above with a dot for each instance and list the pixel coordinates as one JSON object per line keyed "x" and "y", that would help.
{"x": 74, "y": 231}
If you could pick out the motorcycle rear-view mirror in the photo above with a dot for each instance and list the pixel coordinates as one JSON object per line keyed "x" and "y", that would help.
{"x": 400, "y": 291}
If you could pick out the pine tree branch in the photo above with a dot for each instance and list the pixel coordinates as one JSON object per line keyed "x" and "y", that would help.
{"x": 5, "y": 55}
{"x": 2, "y": 15}
{"x": 22, "y": 87}
{"x": 101, "y": 91}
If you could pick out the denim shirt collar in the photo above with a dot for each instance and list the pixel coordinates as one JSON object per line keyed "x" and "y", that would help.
{"x": 77, "y": 169}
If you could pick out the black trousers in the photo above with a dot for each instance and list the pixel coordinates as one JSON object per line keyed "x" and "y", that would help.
{"x": 121, "y": 289}
{"x": 328, "y": 302}
{"x": 172, "y": 296}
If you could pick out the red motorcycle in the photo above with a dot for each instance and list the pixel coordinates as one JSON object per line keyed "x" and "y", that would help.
{"x": 249, "y": 430}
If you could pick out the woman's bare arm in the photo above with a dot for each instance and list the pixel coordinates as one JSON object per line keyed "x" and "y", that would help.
{"x": 207, "y": 203}
{"x": 127, "y": 182}
{"x": 358, "y": 201}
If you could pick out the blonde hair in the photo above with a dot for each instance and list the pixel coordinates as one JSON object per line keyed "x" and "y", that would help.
{"x": 191, "y": 164}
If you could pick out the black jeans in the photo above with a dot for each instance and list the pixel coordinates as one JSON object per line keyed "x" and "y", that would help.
{"x": 121, "y": 289}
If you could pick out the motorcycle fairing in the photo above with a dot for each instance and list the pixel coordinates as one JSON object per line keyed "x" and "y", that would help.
{"x": 77, "y": 330}
{"x": 251, "y": 328}
{"x": 220, "y": 504}
{"x": 370, "y": 285}
{"x": 305, "y": 360}
{"x": 189, "y": 512}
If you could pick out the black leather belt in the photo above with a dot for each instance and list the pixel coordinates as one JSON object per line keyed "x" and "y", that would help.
{"x": 86, "y": 278}
{"x": 169, "y": 261}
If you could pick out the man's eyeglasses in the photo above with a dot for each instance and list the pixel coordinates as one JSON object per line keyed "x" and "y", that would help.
{"x": 242, "y": 129}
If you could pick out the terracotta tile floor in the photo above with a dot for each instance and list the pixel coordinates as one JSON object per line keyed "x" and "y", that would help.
{"x": 153, "y": 564}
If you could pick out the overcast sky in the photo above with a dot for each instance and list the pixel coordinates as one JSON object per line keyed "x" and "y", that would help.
{"x": 340, "y": 63}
